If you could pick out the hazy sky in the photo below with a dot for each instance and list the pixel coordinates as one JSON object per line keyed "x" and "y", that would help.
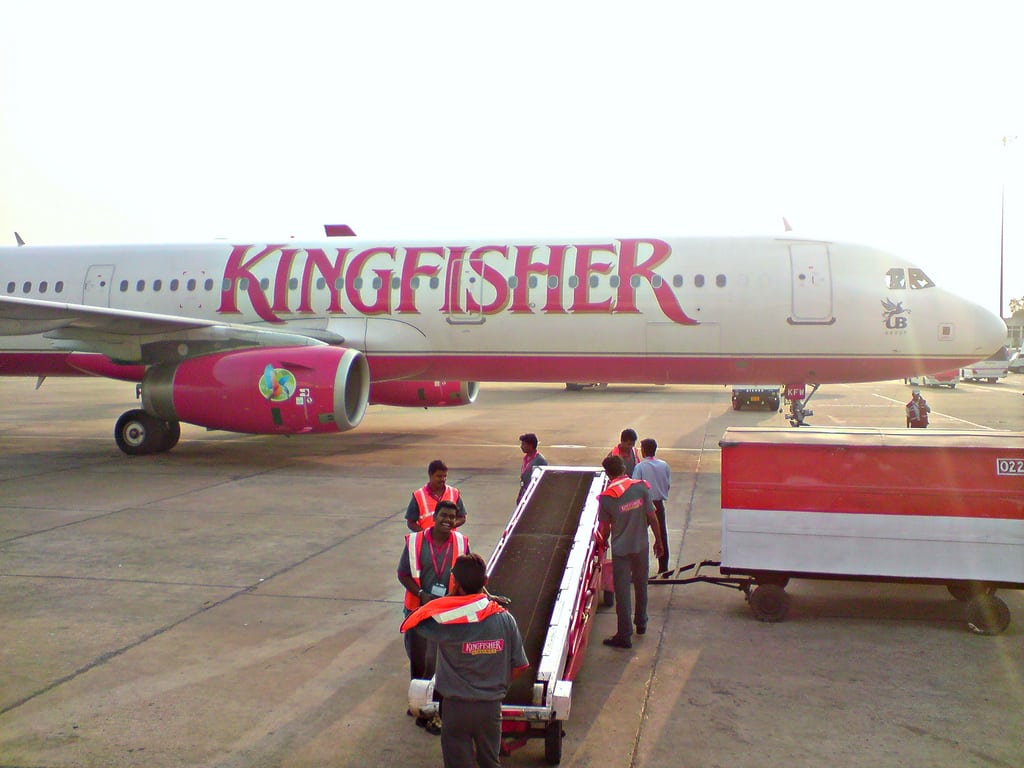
{"x": 879, "y": 123}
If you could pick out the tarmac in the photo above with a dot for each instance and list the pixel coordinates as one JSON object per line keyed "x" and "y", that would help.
{"x": 234, "y": 602}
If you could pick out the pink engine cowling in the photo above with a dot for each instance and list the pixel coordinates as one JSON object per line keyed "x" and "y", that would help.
{"x": 424, "y": 394}
{"x": 263, "y": 391}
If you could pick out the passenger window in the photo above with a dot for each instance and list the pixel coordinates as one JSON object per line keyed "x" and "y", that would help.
{"x": 698, "y": 280}
{"x": 157, "y": 285}
{"x": 339, "y": 283}
{"x": 320, "y": 283}
{"x": 293, "y": 283}
{"x": 191, "y": 284}
{"x": 614, "y": 281}
{"x": 264, "y": 283}
{"x": 552, "y": 281}
{"x": 533, "y": 281}
{"x": 123, "y": 286}
{"x": 42, "y": 287}
{"x": 677, "y": 281}
{"x": 10, "y": 287}
{"x": 513, "y": 281}
{"x": 635, "y": 281}
{"x": 720, "y": 281}
{"x": 656, "y": 281}
{"x": 434, "y": 282}
{"x": 594, "y": 281}
{"x": 59, "y": 287}
{"x": 173, "y": 284}
{"x": 140, "y": 286}
{"x": 26, "y": 288}
{"x": 243, "y": 283}
{"x": 573, "y": 281}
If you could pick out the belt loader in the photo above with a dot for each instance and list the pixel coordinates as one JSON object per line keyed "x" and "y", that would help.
{"x": 548, "y": 563}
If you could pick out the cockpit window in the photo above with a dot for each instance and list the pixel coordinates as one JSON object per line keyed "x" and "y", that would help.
{"x": 919, "y": 279}
{"x": 913, "y": 278}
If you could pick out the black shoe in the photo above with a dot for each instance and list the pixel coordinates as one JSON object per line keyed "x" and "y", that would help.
{"x": 433, "y": 726}
{"x": 617, "y": 642}
{"x": 421, "y": 721}
{"x": 641, "y": 629}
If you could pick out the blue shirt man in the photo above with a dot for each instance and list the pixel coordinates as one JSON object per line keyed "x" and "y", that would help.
{"x": 658, "y": 476}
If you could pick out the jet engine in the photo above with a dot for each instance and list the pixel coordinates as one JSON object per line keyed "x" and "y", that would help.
{"x": 424, "y": 394}
{"x": 269, "y": 390}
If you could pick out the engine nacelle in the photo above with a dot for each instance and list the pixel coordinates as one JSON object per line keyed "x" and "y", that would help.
{"x": 424, "y": 394}
{"x": 270, "y": 390}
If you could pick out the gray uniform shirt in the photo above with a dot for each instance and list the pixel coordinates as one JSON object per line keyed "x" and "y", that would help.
{"x": 475, "y": 661}
{"x": 628, "y": 517}
{"x": 656, "y": 474}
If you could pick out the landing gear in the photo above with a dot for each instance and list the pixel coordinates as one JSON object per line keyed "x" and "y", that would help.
{"x": 138, "y": 433}
{"x": 798, "y": 410}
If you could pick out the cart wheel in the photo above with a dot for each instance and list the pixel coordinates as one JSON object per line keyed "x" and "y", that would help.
{"x": 769, "y": 602}
{"x": 553, "y": 742}
{"x": 965, "y": 590}
{"x": 608, "y": 599}
{"x": 987, "y": 615}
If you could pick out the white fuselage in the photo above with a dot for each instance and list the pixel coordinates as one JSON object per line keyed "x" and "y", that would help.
{"x": 701, "y": 310}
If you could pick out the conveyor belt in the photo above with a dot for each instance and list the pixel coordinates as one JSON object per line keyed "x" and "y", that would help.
{"x": 532, "y": 563}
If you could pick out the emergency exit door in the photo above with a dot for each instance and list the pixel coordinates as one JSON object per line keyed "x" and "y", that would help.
{"x": 96, "y": 290}
{"x": 811, "y": 281}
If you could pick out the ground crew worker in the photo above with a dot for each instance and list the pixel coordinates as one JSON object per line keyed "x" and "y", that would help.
{"x": 531, "y": 458}
{"x": 419, "y": 515}
{"x": 658, "y": 476}
{"x": 425, "y": 569}
{"x": 480, "y": 650}
{"x": 625, "y": 511}
{"x": 626, "y": 450}
{"x": 917, "y": 410}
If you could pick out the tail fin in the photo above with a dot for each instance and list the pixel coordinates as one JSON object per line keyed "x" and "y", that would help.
{"x": 18, "y": 238}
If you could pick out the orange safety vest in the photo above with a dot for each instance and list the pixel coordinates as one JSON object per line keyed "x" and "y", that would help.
{"x": 426, "y": 503}
{"x": 414, "y": 544}
{"x": 454, "y": 609}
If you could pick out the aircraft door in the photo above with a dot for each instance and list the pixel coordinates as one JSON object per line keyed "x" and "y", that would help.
{"x": 96, "y": 289}
{"x": 811, "y": 280}
{"x": 465, "y": 292}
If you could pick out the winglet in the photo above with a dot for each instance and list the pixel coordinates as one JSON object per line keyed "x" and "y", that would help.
{"x": 339, "y": 230}
{"x": 18, "y": 238}
{"x": 785, "y": 223}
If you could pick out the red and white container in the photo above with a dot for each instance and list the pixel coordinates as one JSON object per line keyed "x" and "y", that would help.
{"x": 943, "y": 506}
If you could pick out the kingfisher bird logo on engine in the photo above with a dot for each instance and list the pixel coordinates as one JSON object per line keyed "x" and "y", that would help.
{"x": 277, "y": 384}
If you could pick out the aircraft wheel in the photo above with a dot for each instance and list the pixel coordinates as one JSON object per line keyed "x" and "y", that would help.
{"x": 573, "y": 387}
{"x": 769, "y": 602}
{"x": 171, "y": 435}
{"x": 987, "y": 615}
{"x": 553, "y": 742}
{"x": 137, "y": 433}
{"x": 965, "y": 590}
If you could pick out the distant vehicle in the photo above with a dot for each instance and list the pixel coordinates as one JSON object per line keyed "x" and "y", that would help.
{"x": 944, "y": 379}
{"x": 759, "y": 396}
{"x": 991, "y": 369}
{"x": 1016, "y": 364}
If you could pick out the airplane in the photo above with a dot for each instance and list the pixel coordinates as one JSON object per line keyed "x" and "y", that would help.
{"x": 297, "y": 337}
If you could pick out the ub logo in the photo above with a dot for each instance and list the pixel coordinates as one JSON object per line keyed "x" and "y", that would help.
{"x": 891, "y": 316}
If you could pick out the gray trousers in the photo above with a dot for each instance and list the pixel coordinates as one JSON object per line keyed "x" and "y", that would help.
{"x": 630, "y": 574}
{"x": 470, "y": 733}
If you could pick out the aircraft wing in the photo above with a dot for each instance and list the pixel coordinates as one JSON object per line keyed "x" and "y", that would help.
{"x": 127, "y": 336}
